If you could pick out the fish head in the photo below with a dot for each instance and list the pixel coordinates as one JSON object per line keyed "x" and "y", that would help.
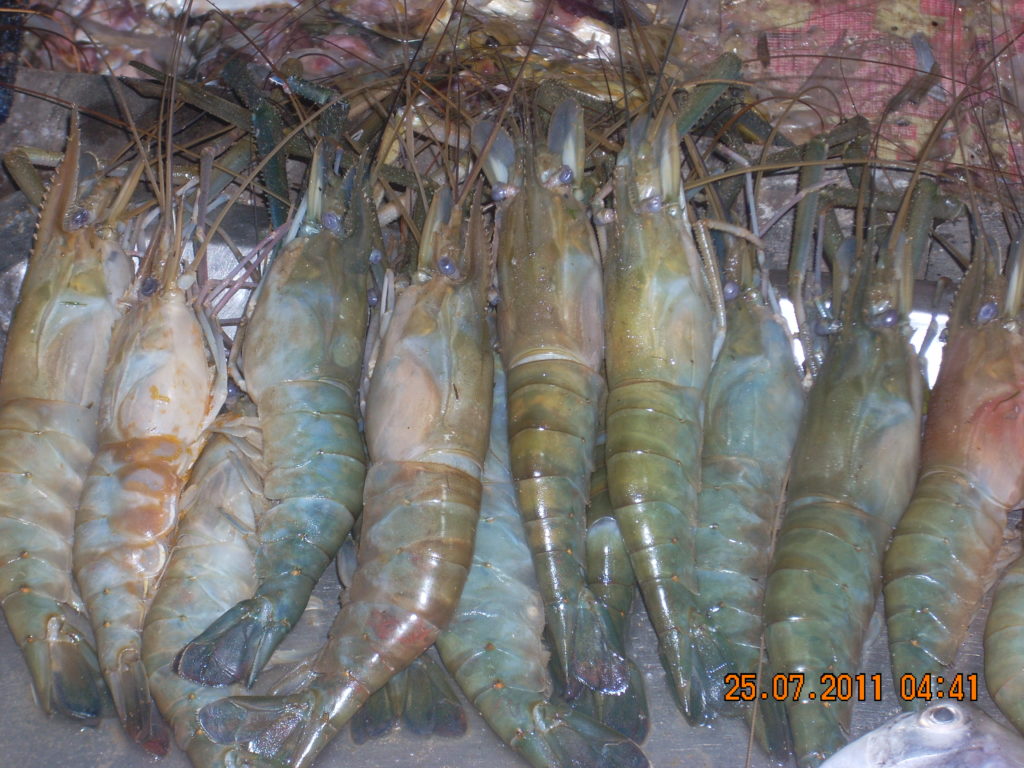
{"x": 944, "y": 735}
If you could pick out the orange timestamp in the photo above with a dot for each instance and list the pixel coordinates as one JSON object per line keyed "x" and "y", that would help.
{"x": 788, "y": 687}
{"x": 959, "y": 687}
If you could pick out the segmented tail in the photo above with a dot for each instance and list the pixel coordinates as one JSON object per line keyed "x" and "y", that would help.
{"x": 563, "y": 738}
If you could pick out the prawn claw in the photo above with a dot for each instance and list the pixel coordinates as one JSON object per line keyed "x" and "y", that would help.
{"x": 235, "y": 647}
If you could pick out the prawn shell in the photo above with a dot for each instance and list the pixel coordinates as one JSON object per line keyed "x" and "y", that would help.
{"x": 53, "y": 365}
{"x": 660, "y": 338}
{"x": 162, "y": 390}
{"x": 942, "y": 556}
{"x": 852, "y": 475}
{"x": 211, "y": 566}
{"x": 754, "y": 401}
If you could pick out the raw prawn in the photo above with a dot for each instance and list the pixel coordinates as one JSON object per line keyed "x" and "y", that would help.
{"x": 754, "y": 400}
{"x": 942, "y": 556}
{"x": 301, "y": 357}
{"x": 163, "y": 387}
{"x": 427, "y": 418}
{"x": 210, "y": 567}
{"x": 53, "y": 370}
{"x": 550, "y": 326}
{"x": 493, "y": 645}
{"x": 852, "y": 475}
{"x": 1004, "y": 645}
{"x": 660, "y": 335}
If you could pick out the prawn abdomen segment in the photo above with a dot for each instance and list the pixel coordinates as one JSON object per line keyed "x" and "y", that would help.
{"x": 653, "y": 460}
{"x": 553, "y": 408}
{"x": 419, "y": 525}
{"x": 937, "y": 569}
{"x": 35, "y": 548}
{"x": 315, "y": 478}
{"x": 128, "y": 511}
{"x": 37, "y": 511}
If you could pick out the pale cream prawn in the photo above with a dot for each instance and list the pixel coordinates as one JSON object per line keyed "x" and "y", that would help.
{"x": 53, "y": 371}
{"x": 164, "y": 384}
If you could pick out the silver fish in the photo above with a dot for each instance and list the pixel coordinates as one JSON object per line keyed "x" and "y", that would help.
{"x": 945, "y": 735}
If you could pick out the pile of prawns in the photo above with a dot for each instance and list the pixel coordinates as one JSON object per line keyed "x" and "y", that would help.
{"x": 581, "y": 385}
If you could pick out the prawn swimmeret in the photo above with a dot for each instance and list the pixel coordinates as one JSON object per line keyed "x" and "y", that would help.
{"x": 427, "y": 417}
{"x": 53, "y": 371}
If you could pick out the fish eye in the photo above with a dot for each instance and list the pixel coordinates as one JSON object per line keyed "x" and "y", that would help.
{"x": 987, "y": 312}
{"x": 941, "y": 715}
{"x": 730, "y": 290}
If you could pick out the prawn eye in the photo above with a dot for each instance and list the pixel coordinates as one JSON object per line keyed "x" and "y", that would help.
{"x": 886, "y": 319}
{"x": 331, "y": 221}
{"x": 447, "y": 267}
{"x": 730, "y": 290}
{"x": 78, "y": 218}
{"x": 651, "y": 204}
{"x": 821, "y": 328}
{"x": 502, "y": 191}
{"x": 604, "y": 216}
{"x": 376, "y": 256}
{"x": 149, "y": 286}
{"x": 372, "y": 297}
{"x": 565, "y": 175}
{"x": 987, "y": 312}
